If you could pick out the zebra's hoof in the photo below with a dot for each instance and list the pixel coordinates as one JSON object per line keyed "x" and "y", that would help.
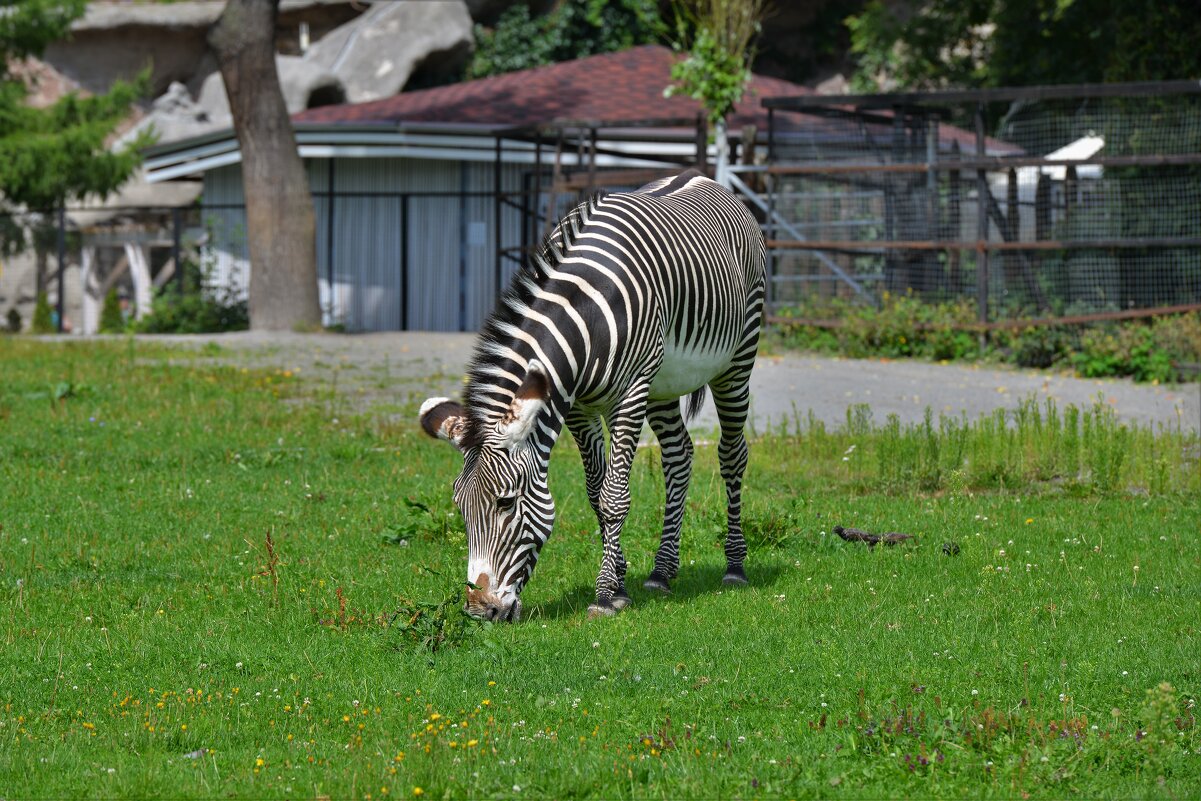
{"x": 621, "y": 601}
{"x": 734, "y": 577}
{"x": 657, "y": 583}
{"x": 602, "y": 609}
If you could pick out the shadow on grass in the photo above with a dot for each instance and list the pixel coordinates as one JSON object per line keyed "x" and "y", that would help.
{"x": 693, "y": 581}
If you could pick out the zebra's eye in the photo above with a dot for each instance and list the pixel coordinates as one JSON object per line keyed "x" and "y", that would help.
{"x": 506, "y": 502}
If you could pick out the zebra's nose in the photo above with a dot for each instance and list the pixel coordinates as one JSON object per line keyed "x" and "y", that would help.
{"x": 499, "y": 611}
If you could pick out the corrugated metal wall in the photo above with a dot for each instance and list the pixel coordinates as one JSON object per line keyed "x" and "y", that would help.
{"x": 450, "y": 258}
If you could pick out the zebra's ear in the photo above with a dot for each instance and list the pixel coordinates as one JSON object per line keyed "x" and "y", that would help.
{"x": 444, "y": 419}
{"x": 528, "y": 402}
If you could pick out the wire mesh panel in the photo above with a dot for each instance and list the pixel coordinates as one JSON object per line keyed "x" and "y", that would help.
{"x": 1045, "y": 202}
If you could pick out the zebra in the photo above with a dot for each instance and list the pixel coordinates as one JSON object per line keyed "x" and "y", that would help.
{"x": 633, "y": 301}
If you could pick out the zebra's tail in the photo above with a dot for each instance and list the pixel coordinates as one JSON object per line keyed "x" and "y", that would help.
{"x": 692, "y": 406}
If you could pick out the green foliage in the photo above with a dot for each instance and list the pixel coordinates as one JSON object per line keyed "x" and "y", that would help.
{"x": 717, "y": 37}
{"x": 50, "y": 155}
{"x": 903, "y": 326}
{"x": 28, "y": 26}
{"x": 198, "y": 309}
{"x": 1027, "y": 42}
{"x": 13, "y": 321}
{"x": 43, "y": 318}
{"x": 112, "y": 320}
{"x": 573, "y": 29}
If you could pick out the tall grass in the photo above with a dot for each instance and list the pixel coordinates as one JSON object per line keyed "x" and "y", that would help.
{"x": 1037, "y": 447}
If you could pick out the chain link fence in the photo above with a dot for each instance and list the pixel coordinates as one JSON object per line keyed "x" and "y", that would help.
{"x": 1048, "y": 203}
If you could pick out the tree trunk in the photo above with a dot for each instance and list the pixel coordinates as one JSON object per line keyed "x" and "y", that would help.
{"x": 281, "y": 227}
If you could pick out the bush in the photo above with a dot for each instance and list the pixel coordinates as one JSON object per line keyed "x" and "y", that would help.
{"x": 196, "y": 308}
{"x": 13, "y": 321}
{"x": 112, "y": 320}
{"x": 43, "y": 318}
{"x": 1162, "y": 349}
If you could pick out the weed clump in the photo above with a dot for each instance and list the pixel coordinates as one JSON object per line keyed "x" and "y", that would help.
{"x": 433, "y": 625}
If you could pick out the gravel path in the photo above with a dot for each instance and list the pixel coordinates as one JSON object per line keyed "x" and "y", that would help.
{"x": 404, "y": 367}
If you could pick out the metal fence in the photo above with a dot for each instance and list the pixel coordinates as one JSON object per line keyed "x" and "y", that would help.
{"x": 1061, "y": 203}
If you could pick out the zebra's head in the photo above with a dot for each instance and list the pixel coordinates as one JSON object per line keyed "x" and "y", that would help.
{"x": 502, "y": 493}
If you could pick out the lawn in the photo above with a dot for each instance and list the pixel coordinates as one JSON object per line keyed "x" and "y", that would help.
{"x": 229, "y": 583}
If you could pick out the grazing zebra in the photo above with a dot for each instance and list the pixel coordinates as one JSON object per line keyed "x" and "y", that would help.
{"x": 635, "y": 300}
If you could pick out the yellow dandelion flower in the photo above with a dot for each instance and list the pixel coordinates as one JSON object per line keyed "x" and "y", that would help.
{"x": 485, "y": 702}
{"x": 259, "y": 762}
{"x": 472, "y": 743}
{"x": 491, "y": 684}
{"x": 1029, "y": 520}
{"x": 418, "y": 791}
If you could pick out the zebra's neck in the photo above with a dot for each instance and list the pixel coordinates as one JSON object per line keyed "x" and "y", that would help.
{"x": 501, "y": 362}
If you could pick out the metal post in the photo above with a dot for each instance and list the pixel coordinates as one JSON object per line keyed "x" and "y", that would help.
{"x": 702, "y": 144}
{"x": 496, "y": 191}
{"x": 404, "y": 262}
{"x": 982, "y": 203}
{"x": 954, "y": 227}
{"x": 62, "y": 265}
{"x": 177, "y": 248}
{"x": 329, "y": 238}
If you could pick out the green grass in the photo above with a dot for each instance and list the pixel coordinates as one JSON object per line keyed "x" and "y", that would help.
{"x": 226, "y": 583}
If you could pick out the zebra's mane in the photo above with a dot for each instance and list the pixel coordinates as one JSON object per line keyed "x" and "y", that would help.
{"x": 496, "y": 334}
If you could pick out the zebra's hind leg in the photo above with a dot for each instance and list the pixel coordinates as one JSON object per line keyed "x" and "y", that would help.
{"x": 676, "y": 446}
{"x": 732, "y": 400}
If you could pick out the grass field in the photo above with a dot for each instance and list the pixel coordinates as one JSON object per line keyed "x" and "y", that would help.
{"x": 222, "y": 583}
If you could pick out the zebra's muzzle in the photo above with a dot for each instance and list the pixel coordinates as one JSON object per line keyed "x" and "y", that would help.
{"x": 483, "y": 604}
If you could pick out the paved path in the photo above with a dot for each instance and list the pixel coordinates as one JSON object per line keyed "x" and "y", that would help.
{"x": 402, "y": 367}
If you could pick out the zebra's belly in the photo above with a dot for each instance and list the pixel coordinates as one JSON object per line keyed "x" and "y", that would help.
{"x": 687, "y": 369}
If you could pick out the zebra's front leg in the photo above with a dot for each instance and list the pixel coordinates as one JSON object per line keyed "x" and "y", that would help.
{"x": 733, "y": 404}
{"x": 676, "y": 450}
{"x": 625, "y": 424}
{"x": 589, "y": 434}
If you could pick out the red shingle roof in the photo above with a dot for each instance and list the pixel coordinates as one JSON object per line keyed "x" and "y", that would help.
{"x": 610, "y": 87}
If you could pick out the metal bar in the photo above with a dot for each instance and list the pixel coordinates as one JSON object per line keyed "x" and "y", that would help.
{"x": 62, "y": 267}
{"x": 404, "y": 262}
{"x": 498, "y": 269}
{"x": 1002, "y": 94}
{"x": 949, "y": 244}
{"x": 982, "y": 190}
{"x": 329, "y": 240}
{"x": 177, "y": 248}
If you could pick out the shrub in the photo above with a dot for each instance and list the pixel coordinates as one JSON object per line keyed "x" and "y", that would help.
{"x": 13, "y": 321}
{"x": 1162, "y": 349}
{"x": 196, "y": 309}
{"x": 43, "y": 319}
{"x": 112, "y": 321}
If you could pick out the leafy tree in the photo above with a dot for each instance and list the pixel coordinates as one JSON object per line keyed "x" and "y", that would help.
{"x": 50, "y": 155}
{"x": 572, "y": 29}
{"x": 982, "y": 43}
{"x": 717, "y": 64}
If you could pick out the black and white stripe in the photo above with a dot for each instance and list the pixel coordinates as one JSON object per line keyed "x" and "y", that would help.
{"x": 634, "y": 301}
